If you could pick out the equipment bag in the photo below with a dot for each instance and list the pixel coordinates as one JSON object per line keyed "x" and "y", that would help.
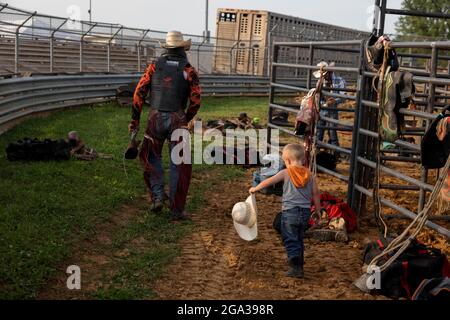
{"x": 336, "y": 208}
{"x": 246, "y": 157}
{"x": 259, "y": 176}
{"x": 404, "y": 275}
{"x": 280, "y": 118}
{"x": 327, "y": 160}
{"x": 37, "y": 150}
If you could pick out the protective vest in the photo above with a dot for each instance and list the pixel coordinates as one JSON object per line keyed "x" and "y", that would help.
{"x": 169, "y": 88}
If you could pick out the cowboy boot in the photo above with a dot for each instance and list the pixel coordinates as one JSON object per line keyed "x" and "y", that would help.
{"x": 388, "y": 121}
{"x": 301, "y": 263}
{"x": 295, "y": 270}
{"x": 184, "y": 216}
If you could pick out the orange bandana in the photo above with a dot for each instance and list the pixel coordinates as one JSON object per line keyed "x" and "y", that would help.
{"x": 299, "y": 176}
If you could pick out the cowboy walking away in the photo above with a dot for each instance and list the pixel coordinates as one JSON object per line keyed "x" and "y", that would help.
{"x": 299, "y": 191}
{"x": 172, "y": 83}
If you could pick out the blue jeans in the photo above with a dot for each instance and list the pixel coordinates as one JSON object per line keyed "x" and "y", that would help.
{"x": 293, "y": 225}
{"x": 160, "y": 127}
{"x": 329, "y": 127}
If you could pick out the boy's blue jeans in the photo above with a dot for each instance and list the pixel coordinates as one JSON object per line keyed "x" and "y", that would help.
{"x": 293, "y": 225}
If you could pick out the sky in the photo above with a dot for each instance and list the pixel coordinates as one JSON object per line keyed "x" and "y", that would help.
{"x": 188, "y": 16}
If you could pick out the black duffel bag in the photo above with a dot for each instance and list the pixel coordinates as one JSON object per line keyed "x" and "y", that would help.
{"x": 404, "y": 275}
{"x": 38, "y": 150}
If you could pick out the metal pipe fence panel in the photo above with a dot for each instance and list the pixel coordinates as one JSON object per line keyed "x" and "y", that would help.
{"x": 365, "y": 135}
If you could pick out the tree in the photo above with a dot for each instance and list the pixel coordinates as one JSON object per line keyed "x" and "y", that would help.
{"x": 421, "y": 28}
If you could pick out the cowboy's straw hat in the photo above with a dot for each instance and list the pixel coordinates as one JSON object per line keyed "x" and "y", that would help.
{"x": 174, "y": 39}
{"x": 244, "y": 218}
{"x": 322, "y": 64}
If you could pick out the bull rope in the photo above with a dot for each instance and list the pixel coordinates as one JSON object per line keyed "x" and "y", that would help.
{"x": 402, "y": 241}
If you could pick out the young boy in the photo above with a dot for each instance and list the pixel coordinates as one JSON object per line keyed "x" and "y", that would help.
{"x": 299, "y": 190}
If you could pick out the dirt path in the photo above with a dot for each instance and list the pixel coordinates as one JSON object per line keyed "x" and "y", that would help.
{"x": 216, "y": 264}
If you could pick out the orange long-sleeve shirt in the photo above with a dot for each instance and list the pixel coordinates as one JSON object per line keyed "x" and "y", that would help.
{"x": 144, "y": 86}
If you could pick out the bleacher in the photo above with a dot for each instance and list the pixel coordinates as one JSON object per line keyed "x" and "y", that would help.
{"x": 34, "y": 56}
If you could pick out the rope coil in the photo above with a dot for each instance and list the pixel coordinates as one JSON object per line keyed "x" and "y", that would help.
{"x": 402, "y": 241}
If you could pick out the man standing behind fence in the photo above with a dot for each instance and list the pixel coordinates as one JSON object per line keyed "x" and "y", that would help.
{"x": 332, "y": 81}
{"x": 171, "y": 81}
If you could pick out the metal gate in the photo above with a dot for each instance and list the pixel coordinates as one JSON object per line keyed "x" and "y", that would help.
{"x": 432, "y": 96}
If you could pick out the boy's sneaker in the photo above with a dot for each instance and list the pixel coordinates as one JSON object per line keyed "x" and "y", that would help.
{"x": 295, "y": 270}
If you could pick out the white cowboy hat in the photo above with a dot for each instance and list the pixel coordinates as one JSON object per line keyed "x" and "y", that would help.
{"x": 174, "y": 39}
{"x": 323, "y": 64}
{"x": 244, "y": 218}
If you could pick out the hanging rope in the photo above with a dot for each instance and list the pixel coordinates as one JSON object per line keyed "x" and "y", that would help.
{"x": 311, "y": 138}
{"x": 380, "y": 99}
{"x": 443, "y": 198}
{"x": 402, "y": 242}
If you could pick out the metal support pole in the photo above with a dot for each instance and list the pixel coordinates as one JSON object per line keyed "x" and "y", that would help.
{"x": 376, "y": 16}
{"x": 81, "y": 45}
{"x": 310, "y": 61}
{"x": 52, "y": 39}
{"x": 139, "y": 49}
{"x": 356, "y": 124}
{"x": 16, "y": 42}
{"x": 206, "y": 37}
{"x": 430, "y": 107}
{"x": 382, "y": 17}
{"x": 434, "y": 15}
{"x": 109, "y": 47}
{"x": 90, "y": 11}
{"x": 273, "y": 79}
{"x": 269, "y": 48}
{"x": 198, "y": 54}
{"x": 252, "y": 59}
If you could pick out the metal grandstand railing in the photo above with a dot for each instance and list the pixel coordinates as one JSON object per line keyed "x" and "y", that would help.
{"x": 34, "y": 42}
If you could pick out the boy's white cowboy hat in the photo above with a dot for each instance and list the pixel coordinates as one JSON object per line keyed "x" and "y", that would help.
{"x": 244, "y": 218}
{"x": 174, "y": 39}
{"x": 323, "y": 64}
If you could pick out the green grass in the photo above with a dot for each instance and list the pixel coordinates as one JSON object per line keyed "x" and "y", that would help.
{"x": 231, "y": 107}
{"x": 133, "y": 276}
{"x": 47, "y": 207}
